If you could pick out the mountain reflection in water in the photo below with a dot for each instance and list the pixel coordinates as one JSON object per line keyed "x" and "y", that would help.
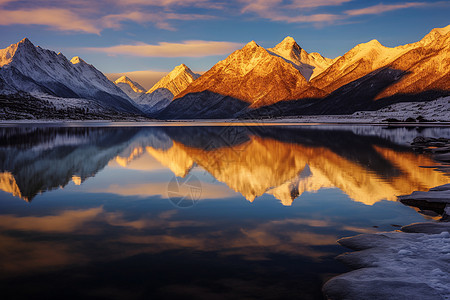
{"x": 283, "y": 162}
{"x": 98, "y": 223}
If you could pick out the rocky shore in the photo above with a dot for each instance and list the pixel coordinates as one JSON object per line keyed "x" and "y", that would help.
{"x": 413, "y": 263}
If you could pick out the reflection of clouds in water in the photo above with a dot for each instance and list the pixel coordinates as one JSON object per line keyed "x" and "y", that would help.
{"x": 154, "y": 233}
{"x": 67, "y": 221}
{"x": 148, "y": 189}
{"x": 20, "y": 256}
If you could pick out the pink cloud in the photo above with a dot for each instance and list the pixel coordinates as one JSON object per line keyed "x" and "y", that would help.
{"x": 159, "y": 19}
{"x": 55, "y": 18}
{"x": 163, "y": 49}
{"x": 95, "y": 16}
{"x": 381, "y": 8}
{"x": 315, "y": 3}
{"x": 278, "y": 10}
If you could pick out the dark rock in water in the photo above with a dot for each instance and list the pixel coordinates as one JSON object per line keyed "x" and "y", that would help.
{"x": 362, "y": 242}
{"x": 429, "y": 213}
{"x": 429, "y": 228}
{"x": 444, "y": 187}
{"x": 419, "y": 140}
{"x": 435, "y": 200}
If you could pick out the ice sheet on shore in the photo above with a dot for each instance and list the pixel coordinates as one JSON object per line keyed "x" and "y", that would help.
{"x": 439, "y": 194}
{"x": 396, "y": 265}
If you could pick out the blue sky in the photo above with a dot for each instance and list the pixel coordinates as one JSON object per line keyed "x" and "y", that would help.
{"x": 136, "y": 35}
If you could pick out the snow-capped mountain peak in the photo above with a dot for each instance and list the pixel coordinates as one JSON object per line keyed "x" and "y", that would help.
{"x": 163, "y": 92}
{"x": 76, "y": 60}
{"x": 250, "y": 45}
{"x": 136, "y": 87}
{"x": 27, "y": 68}
{"x": 308, "y": 65}
{"x": 287, "y": 44}
{"x": 133, "y": 89}
{"x": 176, "y": 80}
{"x": 7, "y": 54}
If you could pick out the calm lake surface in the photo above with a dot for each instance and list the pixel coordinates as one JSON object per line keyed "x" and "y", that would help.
{"x": 116, "y": 212}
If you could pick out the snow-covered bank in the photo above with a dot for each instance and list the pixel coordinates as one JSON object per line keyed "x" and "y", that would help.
{"x": 412, "y": 264}
{"x": 396, "y": 265}
{"x": 437, "y": 110}
{"x": 437, "y": 199}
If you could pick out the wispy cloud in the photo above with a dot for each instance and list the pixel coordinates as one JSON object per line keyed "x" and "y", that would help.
{"x": 302, "y": 11}
{"x": 58, "y": 19}
{"x": 294, "y": 11}
{"x": 95, "y": 16}
{"x": 381, "y": 8}
{"x": 164, "y": 49}
{"x": 316, "y": 3}
{"x": 173, "y": 3}
{"x": 159, "y": 19}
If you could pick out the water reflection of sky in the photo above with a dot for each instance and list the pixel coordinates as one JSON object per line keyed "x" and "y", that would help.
{"x": 116, "y": 235}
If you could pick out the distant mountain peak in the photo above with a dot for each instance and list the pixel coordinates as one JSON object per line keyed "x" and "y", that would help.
{"x": 251, "y": 44}
{"x": 181, "y": 67}
{"x": 26, "y": 41}
{"x": 136, "y": 87}
{"x": 176, "y": 80}
{"x": 373, "y": 43}
{"x": 123, "y": 79}
{"x": 287, "y": 42}
{"x": 76, "y": 60}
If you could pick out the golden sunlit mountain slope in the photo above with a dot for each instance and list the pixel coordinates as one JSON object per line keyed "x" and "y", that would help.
{"x": 287, "y": 170}
{"x": 163, "y": 92}
{"x": 422, "y": 63}
{"x": 309, "y": 64}
{"x": 8, "y": 184}
{"x": 176, "y": 81}
{"x": 252, "y": 75}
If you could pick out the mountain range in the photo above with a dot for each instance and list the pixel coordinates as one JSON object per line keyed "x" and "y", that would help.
{"x": 251, "y": 82}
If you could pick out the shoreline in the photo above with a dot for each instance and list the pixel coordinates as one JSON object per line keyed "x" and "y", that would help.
{"x": 222, "y": 122}
{"x": 413, "y": 263}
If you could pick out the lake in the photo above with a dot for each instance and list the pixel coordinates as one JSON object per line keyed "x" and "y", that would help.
{"x": 114, "y": 211}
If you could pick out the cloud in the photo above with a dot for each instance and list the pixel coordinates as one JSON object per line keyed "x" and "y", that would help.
{"x": 164, "y": 49}
{"x": 381, "y": 8}
{"x": 317, "y": 18}
{"x": 298, "y": 11}
{"x": 291, "y": 12}
{"x": 55, "y": 18}
{"x": 95, "y": 16}
{"x": 172, "y": 3}
{"x": 159, "y": 19}
{"x": 67, "y": 221}
{"x": 209, "y": 191}
{"x": 316, "y": 3}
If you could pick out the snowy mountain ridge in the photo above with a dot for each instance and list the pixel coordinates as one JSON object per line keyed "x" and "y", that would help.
{"x": 163, "y": 92}
{"x": 133, "y": 89}
{"x": 176, "y": 81}
{"x": 27, "y": 68}
{"x": 309, "y": 65}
